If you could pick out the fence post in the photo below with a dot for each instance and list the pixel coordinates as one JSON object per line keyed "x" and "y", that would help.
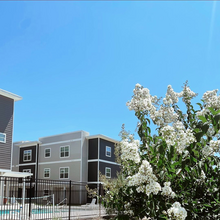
{"x": 70, "y": 199}
{"x": 30, "y": 198}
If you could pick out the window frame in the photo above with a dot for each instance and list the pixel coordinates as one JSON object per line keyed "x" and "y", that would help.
{"x": 110, "y": 172}
{"x": 64, "y": 151}
{"x": 45, "y": 152}
{"x": 106, "y": 151}
{"x": 64, "y": 172}
{"x": 48, "y": 172}
{"x": 24, "y": 155}
{"x": 26, "y": 171}
{"x": 4, "y": 137}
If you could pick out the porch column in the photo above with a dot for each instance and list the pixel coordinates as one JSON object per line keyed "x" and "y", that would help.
{"x": 2, "y": 181}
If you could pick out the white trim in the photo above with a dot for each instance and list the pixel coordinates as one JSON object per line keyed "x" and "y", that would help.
{"x": 30, "y": 155}
{"x": 61, "y": 142}
{"x": 94, "y": 182}
{"x": 110, "y": 172}
{"x": 103, "y": 161}
{"x": 45, "y": 152}
{"x": 60, "y": 161}
{"x": 64, "y": 151}
{"x": 102, "y": 137}
{"x": 4, "y": 138}
{"x": 10, "y": 95}
{"x": 68, "y": 173}
{"x": 44, "y": 173}
{"x": 108, "y": 151}
{"x": 26, "y": 164}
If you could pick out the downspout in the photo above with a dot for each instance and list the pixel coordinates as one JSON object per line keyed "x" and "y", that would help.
{"x": 36, "y": 173}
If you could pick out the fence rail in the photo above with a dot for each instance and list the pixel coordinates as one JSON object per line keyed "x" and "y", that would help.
{"x": 25, "y": 199}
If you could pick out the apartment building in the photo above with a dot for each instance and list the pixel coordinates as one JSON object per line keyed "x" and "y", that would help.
{"x": 75, "y": 156}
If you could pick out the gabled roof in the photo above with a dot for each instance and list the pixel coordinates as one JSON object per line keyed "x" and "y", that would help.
{"x": 10, "y": 95}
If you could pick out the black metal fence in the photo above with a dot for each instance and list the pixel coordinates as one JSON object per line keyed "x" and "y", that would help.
{"x": 23, "y": 198}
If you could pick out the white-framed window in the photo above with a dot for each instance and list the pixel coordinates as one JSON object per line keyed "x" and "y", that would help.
{"x": 47, "y": 152}
{"x": 64, "y": 172}
{"x": 108, "y": 151}
{"x": 26, "y": 170}
{"x": 27, "y": 155}
{"x": 108, "y": 172}
{"x": 2, "y": 137}
{"x": 46, "y": 172}
{"x": 64, "y": 151}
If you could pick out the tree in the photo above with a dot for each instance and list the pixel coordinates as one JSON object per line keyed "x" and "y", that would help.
{"x": 173, "y": 174}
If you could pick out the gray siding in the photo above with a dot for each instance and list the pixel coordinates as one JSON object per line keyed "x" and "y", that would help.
{"x": 6, "y": 126}
{"x": 93, "y": 149}
{"x": 114, "y": 168}
{"x": 61, "y": 137}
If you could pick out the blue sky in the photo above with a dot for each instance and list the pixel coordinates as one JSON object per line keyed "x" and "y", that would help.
{"x": 76, "y": 63}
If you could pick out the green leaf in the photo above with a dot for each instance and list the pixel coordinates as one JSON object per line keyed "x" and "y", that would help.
{"x": 202, "y": 118}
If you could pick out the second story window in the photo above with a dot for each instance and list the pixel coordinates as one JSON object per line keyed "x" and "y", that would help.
{"x": 27, "y": 155}
{"x": 64, "y": 151}
{"x": 108, "y": 151}
{"x": 47, "y": 152}
{"x": 3, "y": 137}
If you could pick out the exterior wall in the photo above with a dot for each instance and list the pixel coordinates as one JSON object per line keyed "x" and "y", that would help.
{"x": 31, "y": 167}
{"x": 74, "y": 170}
{"x": 33, "y": 155}
{"x": 6, "y": 126}
{"x": 61, "y": 137}
{"x": 84, "y": 161}
{"x": 114, "y": 168}
{"x": 102, "y": 150}
{"x": 93, "y": 149}
{"x": 15, "y": 158}
{"x": 92, "y": 171}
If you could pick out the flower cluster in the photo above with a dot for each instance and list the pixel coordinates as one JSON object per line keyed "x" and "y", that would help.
{"x": 187, "y": 94}
{"x": 145, "y": 180}
{"x": 167, "y": 191}
{"x": 177, "y": 212}
{"x": 142, "y": 100}
{"x": 214, "y": 146}
{"x": 211, "y": 99}
{"x": 177, "y": 135}
{"x": 129, "y": 150}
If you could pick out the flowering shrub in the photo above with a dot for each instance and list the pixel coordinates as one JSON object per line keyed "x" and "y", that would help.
{"x": 173, "y": 174}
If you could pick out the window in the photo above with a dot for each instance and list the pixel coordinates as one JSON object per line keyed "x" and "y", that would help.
{"x": 64, "y": 151}
{"x": 64, "y": 172}
{"x": 108, "y": 151}
{"x": 26, "y": 170}
{"x": 46, "y": 172}
{"x": 108, "y": 172}
{"x": 47, "y": 152}
{"x": 3, "y": 137}
{"x": 27, "y": 155}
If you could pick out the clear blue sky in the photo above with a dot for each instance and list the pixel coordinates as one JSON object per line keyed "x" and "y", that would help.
{"x": 76, "y": 63}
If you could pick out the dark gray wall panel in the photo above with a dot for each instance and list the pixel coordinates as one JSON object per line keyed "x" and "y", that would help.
{"x": 93, "y": 149}
{"x": 32, "y": 167}
{"x": 103, "y": 144}
{"x": 92, "y": 171}
{"x": 6, "y": 126}
{"x": 114, "y": 168}
{"x": 33, "y": 158}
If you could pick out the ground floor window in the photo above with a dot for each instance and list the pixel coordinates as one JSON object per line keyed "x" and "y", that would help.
{"x": 64, "y": 172}
{"x": 108, "y": 172}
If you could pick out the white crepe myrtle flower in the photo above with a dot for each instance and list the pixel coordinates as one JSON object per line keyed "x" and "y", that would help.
{"x": 177, "y": 135}
{"x": 145, "y": 180}
{"x": 167, "y": 191}
{"x": 129, "y": 150}
{"x": 187, "y": 94}
{"x": 177, "y": 212}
